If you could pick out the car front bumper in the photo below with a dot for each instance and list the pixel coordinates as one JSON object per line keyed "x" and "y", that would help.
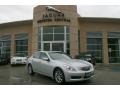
{"x": 18, "y": 62}
{"x": 78, "y": 76}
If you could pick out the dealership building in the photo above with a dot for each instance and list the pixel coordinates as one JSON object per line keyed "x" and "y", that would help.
{"x": 61, "y": 28}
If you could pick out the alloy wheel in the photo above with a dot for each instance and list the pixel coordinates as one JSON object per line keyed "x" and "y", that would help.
{"x": 59, "y": 76}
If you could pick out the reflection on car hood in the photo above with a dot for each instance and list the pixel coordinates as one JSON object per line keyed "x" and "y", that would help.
{"x": 75, "y": 62}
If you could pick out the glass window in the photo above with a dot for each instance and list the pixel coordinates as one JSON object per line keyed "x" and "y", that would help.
{"x": 21, "y": 53}
{"x": 47, "y": 37}
{"x": 43, "y": 55}
{"x": 97, "y": 54}
{"x": 6, "y": 43}
{"x": 113, "y": 41}
{"x": 39, "y": 30}
{"x": 22, "y": 46}
{"x": 94, "y": 41}
{"x": 57, "y": 56}
{"x": 21, "y": 42}
{"x": 21, "y": 36}
{"x": 5, "y": 47}
{"x": 47, "y": 46}
{"x": 25, "y": 42}
{"x": 56, "y": 45}
{"x": 53, "y": 34}
{"x": 18, "y": 42}
{"x": 94, "y": 35}
{"x": 58, "y": 37}
{"x": 0, "y": 44}
{"x": 39, "y": 37}
{"x": 114, "y": 34}
{"x": 68, "y": 45}
{"x": 67, "y": 30}
{"x": 5, "y": 38}
{"x": 94, "y": 45}
{"x": 36, "y": 55}
{"x": 114, "y": 47}
{"x": 39, "y": 46}
{"x": 47, "y": 29}
{"x": 59, "y": 29}
{"x": 68, "y": 48}
{"x": 68, "y": 37}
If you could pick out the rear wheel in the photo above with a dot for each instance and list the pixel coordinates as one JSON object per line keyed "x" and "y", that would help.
{"x": 30, "y": 70}
{"x": 59, "y": 76}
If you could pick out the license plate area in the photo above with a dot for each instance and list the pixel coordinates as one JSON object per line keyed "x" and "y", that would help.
{"x": 18, "y": 60}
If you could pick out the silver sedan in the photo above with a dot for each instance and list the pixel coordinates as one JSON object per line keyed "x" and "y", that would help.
{"x": 60, "y": 67}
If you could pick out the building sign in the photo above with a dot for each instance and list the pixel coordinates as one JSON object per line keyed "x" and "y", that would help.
{"x": 53, "y": 15}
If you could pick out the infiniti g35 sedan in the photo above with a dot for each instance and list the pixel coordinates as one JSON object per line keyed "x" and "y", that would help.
{"x": 60, "y": 67}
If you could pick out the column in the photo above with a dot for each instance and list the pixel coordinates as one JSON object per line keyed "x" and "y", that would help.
{"x": 105, "y": 48}
{"x": 73, "y": 41}
{"x": 13, "y": 45}
{"x": 83, "y": 42}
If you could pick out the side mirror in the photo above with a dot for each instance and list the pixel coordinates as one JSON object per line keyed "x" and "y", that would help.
{"x": 46, "y": 59}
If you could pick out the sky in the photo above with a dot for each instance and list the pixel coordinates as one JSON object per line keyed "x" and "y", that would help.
{"x": 10, "y": 13}
{"x": 18, "y": 10}
{"x": 107, "y": 11}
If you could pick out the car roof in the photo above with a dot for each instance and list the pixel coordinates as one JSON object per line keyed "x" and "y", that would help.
{"x": 51, "y": 51}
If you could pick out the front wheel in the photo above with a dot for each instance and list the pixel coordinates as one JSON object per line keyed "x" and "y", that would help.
{"x": 30, "y": 70}
{"x": 59, "y": 76}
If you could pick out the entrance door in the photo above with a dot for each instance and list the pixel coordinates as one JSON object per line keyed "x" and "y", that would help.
{"x": 54, "y": 46}
{"x": 58, "y": 47}
{"x": 114, "y": 50}
{"x": 47, "y": 46}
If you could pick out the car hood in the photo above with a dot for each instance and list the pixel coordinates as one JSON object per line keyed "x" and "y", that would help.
{"x": 74, "y": 62}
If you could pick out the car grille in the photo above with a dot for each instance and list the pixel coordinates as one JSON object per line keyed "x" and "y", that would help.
{"x": 18, "y": 60}
{"x": 85, "y": 68}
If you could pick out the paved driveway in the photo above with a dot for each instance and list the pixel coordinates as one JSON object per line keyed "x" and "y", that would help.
{"x": 17, "y": 75}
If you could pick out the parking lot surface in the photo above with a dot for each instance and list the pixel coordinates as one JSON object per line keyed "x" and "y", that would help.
{"x": 17, "y": 75}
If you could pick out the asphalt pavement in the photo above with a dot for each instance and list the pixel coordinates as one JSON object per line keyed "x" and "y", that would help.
{"x": 17, "y": 75}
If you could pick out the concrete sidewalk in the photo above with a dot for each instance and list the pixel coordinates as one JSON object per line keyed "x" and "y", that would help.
{"x": 114, "y": 67}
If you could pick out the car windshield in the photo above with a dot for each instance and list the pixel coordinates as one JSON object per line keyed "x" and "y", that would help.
{"x": 88, "y": 55}
{"x": 59, "y": 56}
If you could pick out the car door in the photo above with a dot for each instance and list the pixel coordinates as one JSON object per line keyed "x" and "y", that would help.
{"x": 36, "y": 61}
{"x": 45, "y": 67}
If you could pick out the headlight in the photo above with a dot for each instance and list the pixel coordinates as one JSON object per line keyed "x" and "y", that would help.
{"x": 88, "y": 59}
{"x": 13, "y": 60}
{"x": 69, "y": 68}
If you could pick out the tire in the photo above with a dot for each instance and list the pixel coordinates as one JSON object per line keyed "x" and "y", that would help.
{"x": 30, "y": 70}
{"x": 59, "y": 76}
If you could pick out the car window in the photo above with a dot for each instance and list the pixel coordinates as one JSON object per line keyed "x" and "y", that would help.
{"x": 58, "y": 56}
{"x": 36, "y": 55}
{"x": 43, "y": 55}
